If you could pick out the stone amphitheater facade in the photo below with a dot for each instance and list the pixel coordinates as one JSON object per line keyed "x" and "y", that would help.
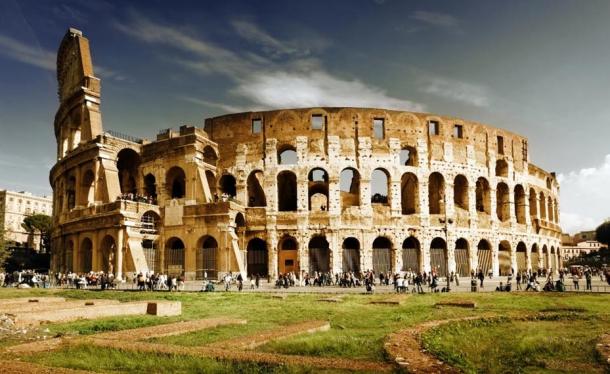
{"x": 303, "y": 190}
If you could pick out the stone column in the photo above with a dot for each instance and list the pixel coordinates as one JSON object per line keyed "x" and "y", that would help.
{"x": 451, "y": 265}
{"x": 495, "y": 261}
{"x": 119, "y": 255}
{"x": 425, "y": 253}
{"x": 272, "y": 250}
{"x": 334, "y": 195}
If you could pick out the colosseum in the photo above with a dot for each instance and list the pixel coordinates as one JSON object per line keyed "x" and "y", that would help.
{"x": 293, "y": 190}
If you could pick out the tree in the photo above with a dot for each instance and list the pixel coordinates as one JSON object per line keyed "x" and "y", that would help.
{"x": 3, "y": 250}
{"x": 602, "y": 233}
{"x": 39, "y": 223}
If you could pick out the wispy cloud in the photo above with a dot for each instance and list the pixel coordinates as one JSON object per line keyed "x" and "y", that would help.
{"x": 455, "y": 90}
{"x": 208, "y": 103}
{"x": 584, "y": 197}
{"x": 436, "y": 19}
{"x": 295, "y": 81}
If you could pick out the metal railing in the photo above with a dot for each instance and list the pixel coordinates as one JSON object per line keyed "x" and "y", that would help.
{"x": 120, "y": 135}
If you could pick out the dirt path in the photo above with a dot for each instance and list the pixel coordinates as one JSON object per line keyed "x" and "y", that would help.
{"x": 20, "y": 367}
{"x": 603, "y": 348}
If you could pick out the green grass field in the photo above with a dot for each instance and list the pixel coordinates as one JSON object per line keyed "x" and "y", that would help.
{"x": 564, "y": 343}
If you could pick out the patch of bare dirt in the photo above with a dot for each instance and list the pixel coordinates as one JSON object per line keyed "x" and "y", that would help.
{"x": 603, "y": 348}
{"x": 20, "y": 367}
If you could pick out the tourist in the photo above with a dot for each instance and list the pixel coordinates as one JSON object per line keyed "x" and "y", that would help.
{"x": 227, "y": 280}
{"x": 240, "y": 282}
{"x": 481, "y": 277}
{"x": 588, "y": 279}
{"x": 518, "y": 279}
{"x": 575, "y": 280}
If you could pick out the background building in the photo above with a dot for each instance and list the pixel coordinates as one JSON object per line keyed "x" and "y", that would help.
{"x": 14, "y": 207}
{"x": 580, "y": 243}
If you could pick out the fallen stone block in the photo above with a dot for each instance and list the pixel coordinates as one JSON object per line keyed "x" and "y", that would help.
{"x": 459, "y": 304}
{"x": 164, "y": 308}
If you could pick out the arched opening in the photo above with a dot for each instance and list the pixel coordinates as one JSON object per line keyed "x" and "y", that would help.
{"x": 504, "y": 258}
{"x": 545, "y": 257}
{"x": 535, "y": 257}
{"x": 87, "y": 192}
{"x": 71, "y": 192}
{"x": 521, "y": 256}
{"x": 380, "y": 187}
{"x": 460, "y": 192}
{"x": 319, "y": 255}
{"x": 553, "y": 260}
{"x": 206, "y": 258}
{"x": 209, "y": 155}
{"x": 349, "y": 185}
{"x": 318, "y": 189}
{"x": 501, "y": 168}
{"x": 351, "y": 255}
{"x": 149, "y": 223}
{"x": 211, "y": 179}
{"x": 288, "y": 260}
{"x": 436, "y": 193}
{"x": 257, "y": 258}
{"x": 411, "y": 255}
{"x": 542, "y": 206}
{"x": 176, "y": 182}
{"x": 409, "y": 193}
{"x": 151, "y": 254}
{"x": 533, "y": 204}
{"x": 228, "y": 185}
{"x": 108, "y": 250}
{"x": 462, "y": 258}
{"x": 555, "y": 212}
{"x": 128, "y": 162}
{"x": 69, "y": 257}
{"x": 382, "y": 255}
{"x": 520, "y": 204}
{"x": 548, "y": 183}
{"x": 438, "y": 256}
{"x": 256, "y": 194}
{"x": 150, "y": 187}
{"x": 287, "y": 155}
{"x": 408, "y": 156}
{"x": 174, "y": 257}
{"x": 502, "y": 202}
{"x": 483, "y": 195}
{"x": 86, "y": 255}
{"x": 287, "y": 191}
{"x": 484, "y": 256}
{"x": 551, "y": 209}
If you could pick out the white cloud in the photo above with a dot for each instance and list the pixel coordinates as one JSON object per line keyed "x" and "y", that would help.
{"x": 436, "y": 19}
{"x": 25, "y": 53}
{"x": 585, "y": 201}
{"x": 225, "y": 107}
{"x": 315, "y": 88}
{"x": 456, "y": 90}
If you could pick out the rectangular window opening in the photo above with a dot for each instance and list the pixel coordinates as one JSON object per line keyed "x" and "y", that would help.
{"x": 433, "y": 128}
{"x": 257, "y": 125}
{"x": 500, "y": 145}
{"x": 458, "y": 131}
{"x": 317, "y": 122}
{"x": 379, "y": 128}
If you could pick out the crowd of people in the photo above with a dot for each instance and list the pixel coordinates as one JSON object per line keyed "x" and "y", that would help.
{"x": 137, "y": 198}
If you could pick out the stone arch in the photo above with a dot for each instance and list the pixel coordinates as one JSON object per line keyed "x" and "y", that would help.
{"x": 521, "y": 256}
{"x": 69, "y": 257}
{"x": 71, "y": 192}
{"x": 535, "y": 257}
{"x": 502, "y": 202}
{"x": 380, "y": 186}
{"x": 108, "y": 251}
{"x": 149, "y": 223}
{"x": 150, "y": 186}
{"x": 462, "y": 257}
{"x": 151, "y": 254}
{"x": 411, "y": 255}
{"x": 174, "y": 256}
{"x": 176, "y": 182}
{"x": 556, "y": 211}
{"x": 545, "y": 257}
{"x": 258, "y": 259}
{"x": 349, "y": 184}
{"x": 409, "y": 193}
{"x": 287, "y": 155}
{"x": 317, "y": 188}
{"x": 484, "y": 255}
{"x": 408, "y": 156}
{"x": 438, "y": 256}
{"x": 460, "y": 192}
{"x": 542, "y": 201}
{"x": 351, "y": 255}
{"x": 501, "y": 168}
{"x": 207, "y": 258}
{"x": 382, "y": 255}
{"x": 128, "y": 162}
{"x": 483, "y": 196}
{"x": 436, "y": 193}
{"x": 504, "y": 260}
{"x": 256, "y": 193}
{"x": 210, "y": 177}
{"x": 553, "y": 260}
{"x": 87, "y": 190}
{"x": 550, "y": 209}
{"x": 533, "y": 204}
{"x": 86, "y": 255}
{"x": 319, "y": 255}
{"x": 228, "y": 185}
{"x": 520, "y": 204}
{"x": 209, "y": 155}
{"x": 288, "y": 256}
{"x": 287, "y": 191}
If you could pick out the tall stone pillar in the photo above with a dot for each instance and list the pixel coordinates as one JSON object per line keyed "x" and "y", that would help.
{"x": 119, "y": 255}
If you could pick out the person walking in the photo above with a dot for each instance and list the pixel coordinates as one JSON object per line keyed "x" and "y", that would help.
{"x": 575, "y": 280}
{"x": 518, "y": 279}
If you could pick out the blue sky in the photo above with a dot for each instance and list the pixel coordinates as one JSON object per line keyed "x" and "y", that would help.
{"x": 538, "y": 68}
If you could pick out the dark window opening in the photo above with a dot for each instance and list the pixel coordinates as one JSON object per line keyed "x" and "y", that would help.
{"x": 257, "y": 125}
{"x": 433, "y": 128}
{"x": 500, "y": 145}
{"x": 458, "y": 131}
{"x": 379, "y": 128}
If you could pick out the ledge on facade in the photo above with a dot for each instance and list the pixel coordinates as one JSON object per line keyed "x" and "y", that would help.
{"x": 215, "y": 208}
{"x": 115, "y": 206}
